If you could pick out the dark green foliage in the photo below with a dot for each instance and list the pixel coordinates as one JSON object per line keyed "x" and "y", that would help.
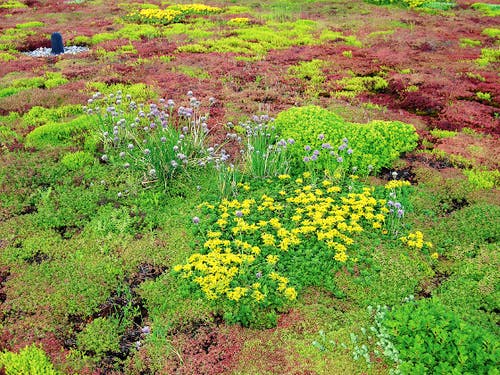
{"x": 432, "y": 339}
{"x": 31, "y": 360}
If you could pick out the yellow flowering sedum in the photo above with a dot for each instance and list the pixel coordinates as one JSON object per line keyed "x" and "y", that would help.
{"x": 416, "y": 241}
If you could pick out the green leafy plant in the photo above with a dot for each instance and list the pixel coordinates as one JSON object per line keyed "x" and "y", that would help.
{"x": 31, "y": 360}
{"x": 491, "y": 10}
{"x": 370, "y": 146}
{"x": 101, "y": 336}
{"x": 310, "y": 72}
{"x": 431, "y": 338}
{"x": 483, "y": 179}
{"x": 77, "y": 160}
{"x": 258, "y": 253}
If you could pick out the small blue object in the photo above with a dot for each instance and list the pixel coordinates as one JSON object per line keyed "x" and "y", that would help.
{"x": 57, "y": 45}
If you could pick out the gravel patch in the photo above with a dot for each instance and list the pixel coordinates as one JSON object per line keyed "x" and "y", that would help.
{"x": 45, "y": 52}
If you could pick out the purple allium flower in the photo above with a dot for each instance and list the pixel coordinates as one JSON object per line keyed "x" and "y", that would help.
{"x": 163, "y": 139}
{"x": 307, "y": 148}
{"x": 196, "y": 220}
{"x": 314, "y": 157}
{"x": 400, "y": 213}
{"x": 291, "y": 141}
{"x": 189, "y": 93}
{"x": 390, "y": 203}
{"x": 321, "y": 137}
{"x": 349, "y": 151}
{"x": 146, "y": 330}
{"x": 339, "y": 159}
{"x": 170, "y": 103}
{"x": 306, "y": 159}
{"x": 152, "y": 125}
{"x": 147, "y": 151}
{"x": 126, "y": 165}
{"x": 345, "y": 140}
{"x": 175, "y": 148}
{"x": 326, "y": 146}
{"x": 122, "y": 154}
{"x": 238, "y": 213}
{"x": 182, "y": 136}
{"x": 342, "y": 147}
{"x": 185, "y": 129}
{"x": 174, "y": 164}
{"x": 397, "y": 205}
{"x": 316, "y": 152}
{"x": 105, "y": 134}
{"x": 258, "y": 275}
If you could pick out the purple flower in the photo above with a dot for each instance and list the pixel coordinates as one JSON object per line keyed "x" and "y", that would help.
{"x": 147, "y": 151}
{"x": 104, "y": 158}
{"x": 321, "y": 137}
{"x": 307, "y": 148}
{"x": 196, "y": 220}
{"x": 314, "y": 157}
{"x": 258, "y": 275}
{"x": 326, "y": 146}
{"x": 342, "y": 147}
{"x": 238, "y": 213}
{"x": 122, "y": 154}
{"x": 291, "y": 141}
{"x": 316, "y": 152}
{"x": 400, "y": 213}
{"x": 146, "y": 330}
{"x": 306, "y": 159}
{"x": 163, "y": 139}
{"x": 339, "y": 159}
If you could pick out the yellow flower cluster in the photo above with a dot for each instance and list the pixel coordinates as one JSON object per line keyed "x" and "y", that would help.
{"x": 158, "y": 15}
{"x": 238, "y": 21}
{"x": 258, "y": 234}
{"x": 196, "y": 8}
{"x": 394, "y": 184}
{"x": 416, "y": 240}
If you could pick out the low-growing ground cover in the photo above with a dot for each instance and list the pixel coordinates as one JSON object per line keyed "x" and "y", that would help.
{"x": 243, "y": 187}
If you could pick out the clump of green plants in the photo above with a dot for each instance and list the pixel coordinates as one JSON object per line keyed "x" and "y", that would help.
{"x": 31, "y": 360}
{"x": 265, "y": 155}
{"x": 319, "y": 134}
{"x": 48, "y": 81}
{"x": 491, "y": 10}
{"x": 483, "y": 179}
{"x": 99, "y": 337}
{"x": 467, "y": 42}
{"x": 350, "y": 87}
{"x": 257, "y": 40}
{"x": 439, "y": 133}
{"x": 491, "y": 32}
{"x": 60, "y": 134}
{"x": 486, "y": 96}
{"x": 156, "y": 141}
{"x": 37, "y": 115}
{"x": 258, "y": 253}
{"x": 488, "y": 56}
{"x": 77, "y": 160}
{"x": 410, "y": 3}
{"x": 310, "y": 72}
{"x": 12, "y": 4}
{"x": 431, "y": 338}
{"x": 29, "y": 25}
{"x": 7, "y": 135}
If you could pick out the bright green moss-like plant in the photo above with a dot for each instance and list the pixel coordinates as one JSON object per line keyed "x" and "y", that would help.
{"x": 101, "y": 336}
{"x": 488, "y": 56}
{"x": 373, "y": 145}
{"x": 310, "y": 72}
{"x": 12, "y": 4}
{"x": 29, "y": 25}
{"x": 491, "y": 32}
{"x": 439, "y": 133}
{"x": 353, "y": 86}
{"x": 59, "y": 134}
{"x": 31, "y": 360}
{"x": 483, "y": 179}
{"x": 77, "y": 160}
{"x": 491, "y": 10}
{"x": 414, "y": 3}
